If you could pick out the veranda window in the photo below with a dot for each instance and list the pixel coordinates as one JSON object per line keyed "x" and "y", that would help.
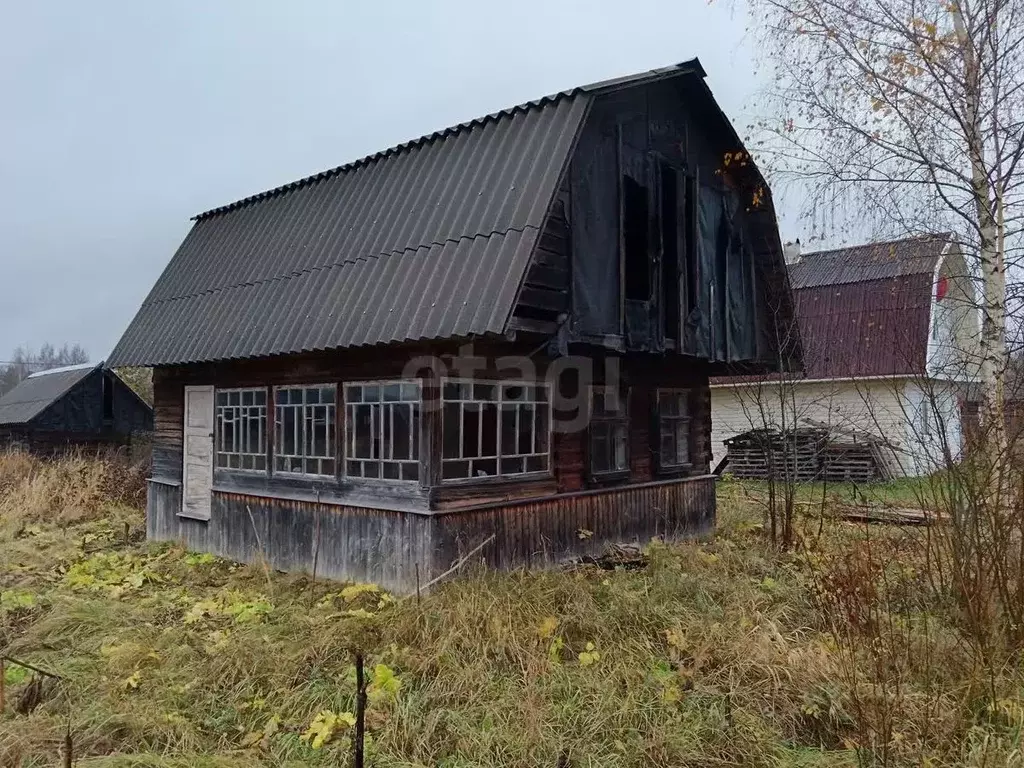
{"x": 494, "y": 429}
{"x": 304, "y": 420}
{"x": 382, "y": 430}
{"x": 241, "y": 429}
{"x": 674, "y": 428}
{"x": 609, "y": 432}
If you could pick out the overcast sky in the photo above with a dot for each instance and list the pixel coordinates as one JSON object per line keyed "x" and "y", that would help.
{"x": 120, "y": 120}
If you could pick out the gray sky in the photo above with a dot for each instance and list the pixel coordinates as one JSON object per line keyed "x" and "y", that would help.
{"x": 120, "y": 120}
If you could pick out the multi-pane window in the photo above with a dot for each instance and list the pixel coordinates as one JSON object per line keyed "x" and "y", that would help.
{"x": 241, "y": 429}
{"x": 673, "y": 428}
{"x": 382, "y": 430}
{"x": 304, "y": 437}
{"x": 609, "y": 431}
{"x": 494, "y": 429}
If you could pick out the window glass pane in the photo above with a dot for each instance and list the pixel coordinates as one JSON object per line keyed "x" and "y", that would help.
{"x": 526, "y": 429}
{"x": 371, "y": 393}
{"x": 353, "y": 394}
{"x": 470, "y": 429}
{"x": 508, "y": 430}
{"x": 222, "y": 398}
{"x": 391, "y": 470}
{"x": 391, "y": 392}
{"x": 451, "y": 391}
{"x": 401, "y": 446}
{"x": 621, "y": 442}
{"x": 489, "y": 429}
{"x": 410, "y": 391}
{"x": 455, "y": 469}
{"x": 485, "y": 392}
{"x": 485, "y": 467}
{"x": 451, "y": 429}
{"x": 410, "y": 471}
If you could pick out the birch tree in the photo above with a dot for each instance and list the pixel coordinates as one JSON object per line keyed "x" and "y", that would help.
{"x": 908, "y": 113}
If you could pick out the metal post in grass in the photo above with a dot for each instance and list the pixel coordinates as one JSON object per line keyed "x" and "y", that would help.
{"x": 357, "y": 744}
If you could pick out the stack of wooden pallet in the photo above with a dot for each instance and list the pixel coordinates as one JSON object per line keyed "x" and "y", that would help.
{"x": 806, "y": 454}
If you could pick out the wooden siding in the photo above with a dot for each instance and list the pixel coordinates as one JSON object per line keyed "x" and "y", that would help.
{"x": 547, "y": 532}
{"x": 545, "y": 291}
{"x": 384, "y": 547}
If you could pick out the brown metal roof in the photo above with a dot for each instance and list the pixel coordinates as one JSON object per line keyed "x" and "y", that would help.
{"x": 865, "y": 310}
{"x": 430, "y": 239}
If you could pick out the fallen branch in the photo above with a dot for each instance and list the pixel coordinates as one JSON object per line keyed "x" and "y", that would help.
{"x": 459, "y": 564}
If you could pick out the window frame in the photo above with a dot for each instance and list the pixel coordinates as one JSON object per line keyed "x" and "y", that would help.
{"x": 267, "y": 438}
{"x": 276, "y": 452}
{"x": 659, "y": 420}
{"x": 498, "y": 477}
{"x": 624, "y": 419}
{"x": 416, "y": 428}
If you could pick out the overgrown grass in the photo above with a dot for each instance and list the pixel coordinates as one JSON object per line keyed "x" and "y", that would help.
{"x": 717, "y": 653}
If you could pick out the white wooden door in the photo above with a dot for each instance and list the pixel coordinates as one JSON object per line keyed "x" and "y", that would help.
{"x": 197, "y": 469}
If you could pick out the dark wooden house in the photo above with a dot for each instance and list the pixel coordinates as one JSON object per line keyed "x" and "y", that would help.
{"x": 78, "y": 406}
{"x": 499, "y": 334}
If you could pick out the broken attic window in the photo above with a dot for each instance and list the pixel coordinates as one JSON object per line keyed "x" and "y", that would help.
{"x": 690, "y": 257}
{"x": 635, "y": 217}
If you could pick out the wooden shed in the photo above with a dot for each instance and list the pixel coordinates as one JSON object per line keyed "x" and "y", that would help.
{"x": 76, "y": 406}
{"x": 495, "y": 339}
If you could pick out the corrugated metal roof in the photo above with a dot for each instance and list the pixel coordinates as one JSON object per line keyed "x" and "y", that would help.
{"x": 873, "y": 261}
{"x": 870, "y": 328}
{"x": 40, "y": 390}
{"x": 430, "y": 239}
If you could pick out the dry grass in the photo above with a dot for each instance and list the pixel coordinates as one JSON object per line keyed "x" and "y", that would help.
{"x": 715, "y": 654}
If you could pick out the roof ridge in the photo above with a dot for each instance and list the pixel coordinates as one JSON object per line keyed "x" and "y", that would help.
{"x": 946, "y": 236}
{"x": 343, "y": 262}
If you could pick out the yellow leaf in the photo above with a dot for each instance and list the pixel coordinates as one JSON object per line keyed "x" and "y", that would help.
{"x": 547, "y": 627}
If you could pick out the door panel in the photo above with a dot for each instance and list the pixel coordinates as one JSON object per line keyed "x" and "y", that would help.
{"x": 197, "y": 469}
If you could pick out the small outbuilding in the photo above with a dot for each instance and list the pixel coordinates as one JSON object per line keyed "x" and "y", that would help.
{"x": 79, "y": 405}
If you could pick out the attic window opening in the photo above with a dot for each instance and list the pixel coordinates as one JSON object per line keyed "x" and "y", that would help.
{"x": 635, "y": 221}
{"x": 670, "y": 283}
{"x": 382, "y": 422}
{"x": 494, "y": 429}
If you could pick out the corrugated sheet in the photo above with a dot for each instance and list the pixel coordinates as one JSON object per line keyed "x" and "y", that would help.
{"x": 36, "y": 393}
{"x": 871, "y": 328}
{"x": 874, "y": 261}
{"x": 430, "y": 239}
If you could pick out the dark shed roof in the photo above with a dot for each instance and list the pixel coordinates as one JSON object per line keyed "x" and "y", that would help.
{"x": 38, "y": 392}
{"x": 430, "y": 239}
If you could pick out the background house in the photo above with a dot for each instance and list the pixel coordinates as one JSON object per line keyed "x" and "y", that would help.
{"x": 889, "y": 334}
{"x": 316, "y": 400}
{"x": 79, "y": 405}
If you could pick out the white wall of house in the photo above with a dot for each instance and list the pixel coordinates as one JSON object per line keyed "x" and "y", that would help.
{"x": 917, "y": 419}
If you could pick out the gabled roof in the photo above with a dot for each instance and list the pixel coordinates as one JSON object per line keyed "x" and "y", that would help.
{"x": 865, "y": 310}
{"x": 430, "y": 239}
{"x": 39, "y": 391}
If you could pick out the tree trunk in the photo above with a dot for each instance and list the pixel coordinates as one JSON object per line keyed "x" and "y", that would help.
{"x": 992, "y": 345}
